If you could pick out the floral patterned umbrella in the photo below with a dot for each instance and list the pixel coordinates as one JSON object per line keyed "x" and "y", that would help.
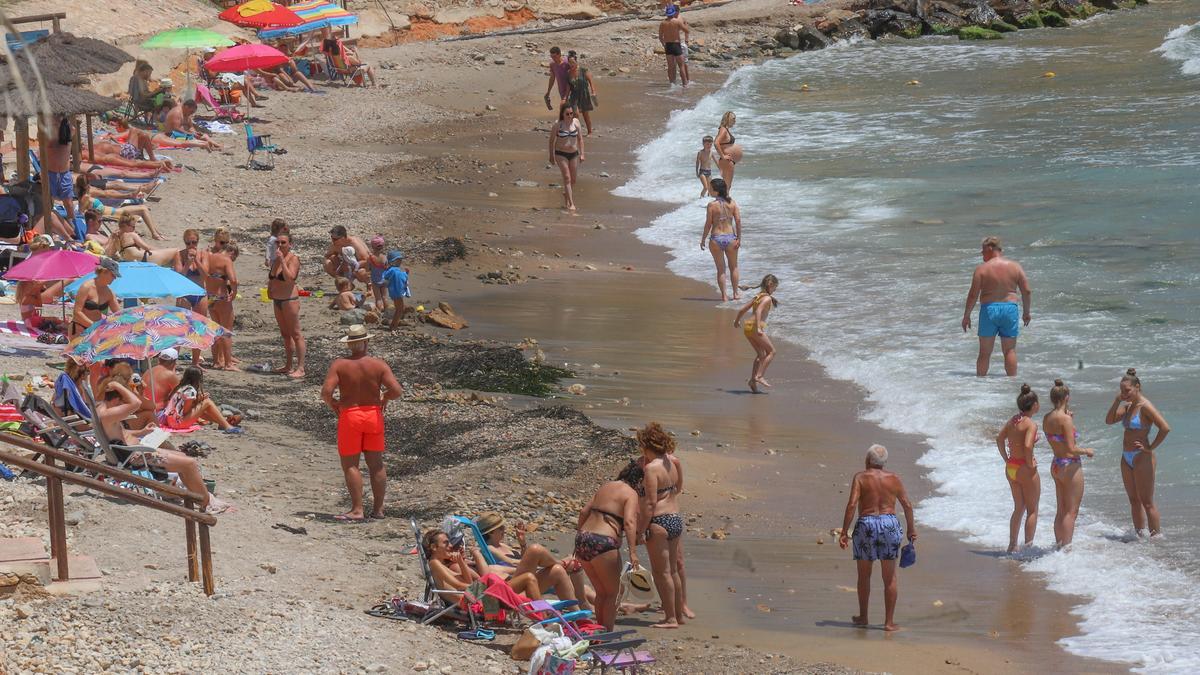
{"x": 142, "y": 332}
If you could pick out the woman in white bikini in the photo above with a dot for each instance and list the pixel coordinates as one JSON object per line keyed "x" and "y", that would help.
{"x": 723, "y": 234}
{"x": 566, "y": 150}
{"x": 1138, "y": 415}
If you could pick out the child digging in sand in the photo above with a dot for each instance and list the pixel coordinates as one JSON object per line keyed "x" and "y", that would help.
{"x": 345, "y": 298}
{"x": 396, "y": 278}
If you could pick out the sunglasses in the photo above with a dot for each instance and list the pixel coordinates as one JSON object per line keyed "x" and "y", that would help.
{"x": 191, "y": 242}
{"x": 282, "y": 242}
{"x": 569, "y": 113}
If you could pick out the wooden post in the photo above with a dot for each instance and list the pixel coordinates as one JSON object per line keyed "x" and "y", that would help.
{"x": 76, "y": 146}
{"x": 51, "y": 509}
{"x": 43, "y": 144}
{"x": 190, "y": 531}
{"x": 21, "y": 142}
{"x": 206, "y": 559}
{"x": 91, "y": 150}
{"x": 58, "y": 529}
{"x": 55, "y": 24}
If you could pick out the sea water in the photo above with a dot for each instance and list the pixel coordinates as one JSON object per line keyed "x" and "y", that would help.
{"x": 868, "y": 197}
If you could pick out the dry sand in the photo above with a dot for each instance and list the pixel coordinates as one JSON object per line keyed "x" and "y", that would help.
{"x": 418, "y": 161}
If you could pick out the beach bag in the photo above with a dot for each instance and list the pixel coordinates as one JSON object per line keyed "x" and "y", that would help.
{"x": 556, "y": 665}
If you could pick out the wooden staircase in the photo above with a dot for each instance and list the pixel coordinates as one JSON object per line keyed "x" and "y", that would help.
{"x": 27, "y": 556}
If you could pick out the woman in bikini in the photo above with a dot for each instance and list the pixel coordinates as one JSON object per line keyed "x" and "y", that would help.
{"x": 564, "y": 576}
{"x": 729, "y": 153}
{"x": 566, "y": 150}
{"x": 755, "y": 330}
{"x": 451, "y": 572}
{"x": 192, "y": 262}
{"x": 723, "y": 234}
{"x": 1138, "y": 415}
{"x": 221, "y": 285}
{"x": 127, "y": 245}
{"x": 94, "y": 298}
{"x": 188, "y": 403}
{"x": 611, "y": 514}
{"x": 660, "y": 509}
{"x": 281, "y": 289}
{"x": 1067, "y": 467}
{"x": 1015, "y": 443}
{"x": 84, "y": 191}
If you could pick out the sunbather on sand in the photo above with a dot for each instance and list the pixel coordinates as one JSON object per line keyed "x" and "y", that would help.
{"x": 564, "y": 576}
{"x": 345, "y": 298}
{"x": 338, "y": 51}
{"x": 610, "y": 515}
{"x": 189, "y": 404}
{"x": 88, "y": 200}
{"x": 127, "y": 245}
{"x": 452, "y": 573}
{"x": 180, "y": 129}
{"x": 117, "y": 403}
{"x": 129, "y": 152}
{"x": 164, "y": 377}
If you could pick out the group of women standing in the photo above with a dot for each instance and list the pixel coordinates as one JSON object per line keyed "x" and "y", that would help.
{"x": 567, "y": 134}
{"x": 1017, "y": 437}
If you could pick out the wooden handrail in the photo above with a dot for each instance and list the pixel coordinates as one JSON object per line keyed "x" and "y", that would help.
{"x": 56, "y": 476}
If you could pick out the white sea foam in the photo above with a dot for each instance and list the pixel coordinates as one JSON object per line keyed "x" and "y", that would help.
{"x": 1183, "y": 44}
{"x": 837, "y": 241}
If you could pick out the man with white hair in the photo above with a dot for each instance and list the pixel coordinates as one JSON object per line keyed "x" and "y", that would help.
{"x": 877, "y": 535}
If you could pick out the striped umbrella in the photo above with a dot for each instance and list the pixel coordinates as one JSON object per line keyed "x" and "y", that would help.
{"x": 144, "y": 331}
{"x": 317, "y": 14}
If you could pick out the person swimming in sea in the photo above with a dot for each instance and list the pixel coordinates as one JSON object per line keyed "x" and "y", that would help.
{"x": 1138, "y": 415}
{"x": 755, "y": 330}
{"x": 723, "y": 235}
{"x": 704, "y": 165}
{"x": 1067, "y": 467}
{"x": 1015, "y": 443}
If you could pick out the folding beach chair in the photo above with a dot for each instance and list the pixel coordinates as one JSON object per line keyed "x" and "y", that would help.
{"x": 619, "y": 656}
{"x": 255, "y": 144}
{"x": 71, "y": 433}
{"x": 118, "y": 455}
{"x": 346, "y": 74}
{"x": 223, "y": 111}
{"x": 435, "y": 599}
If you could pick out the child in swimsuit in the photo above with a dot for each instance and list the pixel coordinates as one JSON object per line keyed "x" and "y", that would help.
{"x": 377, "y": 261}
{"x": 704, "y": 164}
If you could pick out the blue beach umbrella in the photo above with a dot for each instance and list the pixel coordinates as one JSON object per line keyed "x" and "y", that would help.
{"x": 146, "y": 280}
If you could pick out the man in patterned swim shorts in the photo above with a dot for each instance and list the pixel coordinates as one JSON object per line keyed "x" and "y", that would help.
{"x": 877, "y": 535}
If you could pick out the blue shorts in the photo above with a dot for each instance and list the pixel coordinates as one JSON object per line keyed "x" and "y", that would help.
{"x": 61, "y": 185}
{"x": 877, "y": 537}
{"x": 1002, "y": 318}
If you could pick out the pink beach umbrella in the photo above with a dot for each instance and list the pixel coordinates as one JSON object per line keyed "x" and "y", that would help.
{"x": 52, "y": 266}
{"x": 240, "y": 58}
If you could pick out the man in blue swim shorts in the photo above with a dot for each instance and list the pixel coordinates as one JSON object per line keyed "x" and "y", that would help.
{"x": 996, "y": 285}
{"x": 57, "y": 158}
{"x": 877, "y": 535}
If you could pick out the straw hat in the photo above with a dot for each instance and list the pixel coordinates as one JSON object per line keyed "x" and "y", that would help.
{"x": 356, "y": 333}
{"x": 637, "y": 585}
{"x": 489, "y": 522}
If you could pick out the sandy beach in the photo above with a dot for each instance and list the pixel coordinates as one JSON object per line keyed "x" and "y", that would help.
{"x": 431, "y": 160}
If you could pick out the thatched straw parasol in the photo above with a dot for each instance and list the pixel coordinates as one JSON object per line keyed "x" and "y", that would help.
{"x": 78, "y": 55}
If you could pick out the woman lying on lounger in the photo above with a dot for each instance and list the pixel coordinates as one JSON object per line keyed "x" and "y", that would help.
{"x": 87, "y": 200}
{"x": 127, "y": 245}
{"x": 452, "y": 573}
{"x": 564, "y": 576}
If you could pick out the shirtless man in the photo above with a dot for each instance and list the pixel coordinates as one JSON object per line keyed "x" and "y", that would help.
{"x": 163, "y": 377}
{"x": 995, "y": 286}
{"x": 672, "y": 33}
{"x": 335, "y": 265}
{"x": 364, "y": 385}
{"x": 877, "y": 534}
{"x": 180, "y": 129}
{"x": 57, "y": 156}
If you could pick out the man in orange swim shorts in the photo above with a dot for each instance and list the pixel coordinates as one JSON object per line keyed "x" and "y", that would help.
{"x": 363, "y": 385}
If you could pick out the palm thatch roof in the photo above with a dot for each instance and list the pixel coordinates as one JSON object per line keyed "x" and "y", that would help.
{"x": 60, "y": 99}
{"x": 77, "y": 55}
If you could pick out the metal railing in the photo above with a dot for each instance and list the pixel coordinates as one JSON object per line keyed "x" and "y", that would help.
{"x": 56, "y": 475}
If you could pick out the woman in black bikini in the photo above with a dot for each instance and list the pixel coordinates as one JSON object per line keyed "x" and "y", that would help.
{"x": 129, "y": 246}
{"x": 728, "y": 151}
{"x": 281, "y": 288}
{"x": 611, "y": 514}
{"x": 660, "y": 509}
{"x": 221, "y": 286}
{"x": 94, "y": 298}
{"x": 566, "y": 150}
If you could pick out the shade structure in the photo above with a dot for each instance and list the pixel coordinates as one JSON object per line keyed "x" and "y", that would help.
{"x": 241, "y": 58}
{"x": 317, "y": 14}
{"x": 187, "y": 38}
{"x": 142, "y": 332}
{"x": 67, "y": 53}
{"x": 145, "y": 280}
{"x": 261, "y": 14}
{"x": 52, "y": 266}
{"x": 24, "y": 99}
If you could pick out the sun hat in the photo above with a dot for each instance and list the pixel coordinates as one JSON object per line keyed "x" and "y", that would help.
{"x": 908, "y": 555}
{"x": 169, "y": 354}
{"x": 489, "y": 522}
{"x": 166, "y": 82}
{"x": 394, "y": 255}
{"x": 377, "y": 241}
{"x": 637, "y": 585}
{"x": 356, "y": 333}
{"x": 672, "y": 10}
{"x": 110, "y": 265}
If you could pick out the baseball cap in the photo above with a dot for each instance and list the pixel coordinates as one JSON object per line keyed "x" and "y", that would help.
{"x": 394, "y": 255}
{"x": 169, "y": 354}
{"x": 110, "y": 265}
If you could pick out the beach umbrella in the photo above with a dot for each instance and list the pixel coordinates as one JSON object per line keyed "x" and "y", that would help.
{"x": 79, "y": 55}
{"x": 142, "y": 332}
{"x": 187, "y": 38}
{"x": 241, "y": 58}
{"x": 52, "y": 266}
{"x": 261, "y": 14}
{"x": 145, "y": 280}
{"x": 317, "y": 14}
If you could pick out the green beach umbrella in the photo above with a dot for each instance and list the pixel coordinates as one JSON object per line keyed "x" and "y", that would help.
{"x": 187, "y": 38}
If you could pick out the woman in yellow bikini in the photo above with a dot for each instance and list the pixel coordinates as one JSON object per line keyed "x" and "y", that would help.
{"x": 1015, "y": 443}
{"x": 755, "y": 330}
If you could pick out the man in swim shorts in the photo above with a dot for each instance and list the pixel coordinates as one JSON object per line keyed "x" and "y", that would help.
{"x": 335, "y": 263}
{"x": 363, "y": 385}
{"x": 57, "y": 157}
{"x": 995, "y": 285}
{"x": 877, "y": 535}
{"x": 672, "y": 32}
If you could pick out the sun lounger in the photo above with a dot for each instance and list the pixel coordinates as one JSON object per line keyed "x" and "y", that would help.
{"x": 221, "y": 110}
{"x": 620, "y": 656}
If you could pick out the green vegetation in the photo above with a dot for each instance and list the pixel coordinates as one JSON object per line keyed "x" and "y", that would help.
{"x": 978, "y": 33}
{"x": 1030, "y": 20}
{"x": 1052, "y": 19}
{"x": 1000, "y": 26}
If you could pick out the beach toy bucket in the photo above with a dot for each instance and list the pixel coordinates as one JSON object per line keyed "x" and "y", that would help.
{"x": 262, "y": 295}
{"x": 211, "y": 486}
{"x": 235, "y": 96}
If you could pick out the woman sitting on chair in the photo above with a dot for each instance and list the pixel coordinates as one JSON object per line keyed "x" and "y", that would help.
{"x": 564, "y": 576}
{"x": 452, "y": 573}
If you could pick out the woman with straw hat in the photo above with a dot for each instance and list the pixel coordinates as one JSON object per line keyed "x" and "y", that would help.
{"x": 550, "y": 573}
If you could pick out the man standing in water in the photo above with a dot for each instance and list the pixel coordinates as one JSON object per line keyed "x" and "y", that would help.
{"x": 995, "y": 286}
{"x": 364, "y": 384}
{"x": 671, "y": 33}
{"x": 877, "y": 535}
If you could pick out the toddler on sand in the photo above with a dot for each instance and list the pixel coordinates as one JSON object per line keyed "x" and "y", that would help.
{"x": 396, "y": 278}
{"x": 378, "y": 264}
{"x": 704, "y": 164}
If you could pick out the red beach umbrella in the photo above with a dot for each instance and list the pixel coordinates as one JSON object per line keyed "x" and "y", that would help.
{"x": 261, "y": 14}
{"x": 240, "y": 58}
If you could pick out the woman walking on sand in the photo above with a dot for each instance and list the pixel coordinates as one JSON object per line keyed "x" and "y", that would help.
{"x": 566, "y": 150}
{"x": 1138, "y": 415}
{"x": 723, "y": 234}
{"x": 583, "y": 91}
{"x": 1067, "y": 467}
{"x": 610, "y": 515}
{"x": 729, "y": 153}
{"x": 281, "y": 289}
{"x": 1015, "y": 443}
{"x": 660, "y": 509}
{"x": 755, "y": 330}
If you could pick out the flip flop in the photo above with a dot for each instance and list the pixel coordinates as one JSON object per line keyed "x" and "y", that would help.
{"x": 478, "y": 634}
{"x": 343, "y": 518}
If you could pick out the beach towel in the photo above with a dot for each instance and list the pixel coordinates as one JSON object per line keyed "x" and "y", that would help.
{"x": 19, "y": 328}
{"x": 68, "y": 399}
{"x": 214, "y": 127}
